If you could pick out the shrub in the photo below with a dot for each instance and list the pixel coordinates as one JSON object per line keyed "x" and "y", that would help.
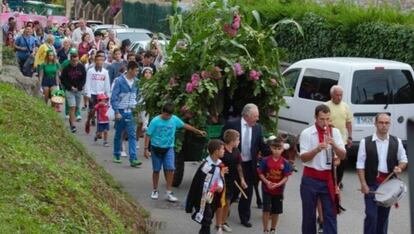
{"x": 9, "y": 55}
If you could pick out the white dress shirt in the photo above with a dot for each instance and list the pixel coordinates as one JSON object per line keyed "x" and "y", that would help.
{"x": 78, "y": 32}
{"x": 382, "y": 150}
{"x": 246, "y": 141}
{"x": 309, "y": 140}
{"x": 216, "y": 175}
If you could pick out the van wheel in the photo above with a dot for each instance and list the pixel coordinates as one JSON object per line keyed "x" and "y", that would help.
{"x": 179, "y": 170}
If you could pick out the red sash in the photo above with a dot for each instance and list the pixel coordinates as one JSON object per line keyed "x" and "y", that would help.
{"x": 326, "y": 176}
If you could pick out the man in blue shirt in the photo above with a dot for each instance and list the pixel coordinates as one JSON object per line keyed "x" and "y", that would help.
{"x": 11, "y": 23}
{"x": 25, "y": 45}
{"x": 123, "y": 102}
{"x": 161, "y": 133}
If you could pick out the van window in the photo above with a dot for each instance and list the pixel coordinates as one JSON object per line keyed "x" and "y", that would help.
{"x": 291, "y": 79}
{"x": 316, "y": 84}
{"x": 382, "y": 87}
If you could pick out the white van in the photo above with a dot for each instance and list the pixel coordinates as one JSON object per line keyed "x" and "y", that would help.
{"x": 370, "y": 86}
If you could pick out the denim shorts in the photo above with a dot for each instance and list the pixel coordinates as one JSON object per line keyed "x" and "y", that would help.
{"x": 49, "y": 82}
{"x": 73, "y": 98}
{"x": 166, "y": 161}
{"x": 102, "y": 127}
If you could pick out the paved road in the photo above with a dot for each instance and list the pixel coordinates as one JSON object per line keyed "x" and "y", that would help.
{"x": 173, "y": 220}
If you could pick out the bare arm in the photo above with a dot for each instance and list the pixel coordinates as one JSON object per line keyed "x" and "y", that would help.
{"x": 147, "y": 152}
{"x": 195, "y": 130}
{"x": 339, "y": 151}
{"x": 362, "y": 181}
{"x": 349, "y": 130}
{"x": 306, "y": 157}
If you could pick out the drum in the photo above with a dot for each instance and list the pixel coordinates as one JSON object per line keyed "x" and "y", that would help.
{"x": 390, "y": 192}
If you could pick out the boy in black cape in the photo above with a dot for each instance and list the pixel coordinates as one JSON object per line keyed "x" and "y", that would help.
{"x": 206, "y": 191}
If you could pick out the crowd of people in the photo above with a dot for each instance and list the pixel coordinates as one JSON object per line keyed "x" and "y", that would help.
{"x": 98, "y": 73}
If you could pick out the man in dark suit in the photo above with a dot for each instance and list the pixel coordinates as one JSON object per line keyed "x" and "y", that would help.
{"x": 252, "y": 143}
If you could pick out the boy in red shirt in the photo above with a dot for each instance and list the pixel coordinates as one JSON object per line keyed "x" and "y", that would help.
{"x": 103, "y": 119}
{"x": 273, "y": 172}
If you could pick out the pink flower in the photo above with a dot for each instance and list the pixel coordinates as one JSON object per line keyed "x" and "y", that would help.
{"x": 195, "y": 84}
{"x": 186, "y": 113}
{"x": 274, "y": 82}
{"x": 229, "y": 30}
{"x": 254, "y": 75}
{"x": 238, "y": 69}
{"x": 236, "y": 22}
{"x": 195, "y": 77}
{"x": 205, "y": 74}
{"x": 189, "y": 88}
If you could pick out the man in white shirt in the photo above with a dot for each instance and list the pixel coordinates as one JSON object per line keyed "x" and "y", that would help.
{"x": 318, "y": 145}
{"x": 79, "y": 31}
{"x": 97, "y": 82}
{"x": 379, "y": 155}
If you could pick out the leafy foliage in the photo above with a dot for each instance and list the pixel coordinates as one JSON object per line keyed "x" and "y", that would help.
{"x": 340, "y": 29}
{"x": 48, "y": 182}
{"x": 9, "y": 55}
{"x": 229, "y": 59}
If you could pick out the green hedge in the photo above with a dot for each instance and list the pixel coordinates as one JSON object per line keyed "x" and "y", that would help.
{"x": 340, "y": 30}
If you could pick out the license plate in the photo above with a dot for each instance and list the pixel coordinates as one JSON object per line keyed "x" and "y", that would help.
{"x": 365, "y": 120}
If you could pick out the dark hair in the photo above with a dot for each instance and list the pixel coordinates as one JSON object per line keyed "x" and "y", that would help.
{"x": 148, "y": 54}
{"x": 83, "y": 36}
{"x": 99, "y": 56}
{"x": 107, "y": 45}
{"x": 278, "y": 142}
{"x": 124, "y": 44}
{"x": 214, "y": 145}
{"x": 131, "y": 54}
{"x": 230, "y": 135}
{"x": 11, "y": 19}
{"x": 97, "y": 33}
{"x": 381, "y": 113}
{"x": 132, "y": 65}
{"x": 322, "y": 108}
{"x": 100, "y": 52}
{"x": 168, "y": 108}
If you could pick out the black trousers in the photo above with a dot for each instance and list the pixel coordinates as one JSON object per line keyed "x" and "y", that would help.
{"x": 245, "y": 204}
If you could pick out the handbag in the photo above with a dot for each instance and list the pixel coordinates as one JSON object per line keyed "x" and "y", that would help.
{"x": 160, "y": 151}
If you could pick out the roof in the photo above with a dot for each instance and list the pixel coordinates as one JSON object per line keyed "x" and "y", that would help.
{"x": 350, "y": 62}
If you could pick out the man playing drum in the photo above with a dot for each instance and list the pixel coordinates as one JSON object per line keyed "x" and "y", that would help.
{"x": 379, "y": 155}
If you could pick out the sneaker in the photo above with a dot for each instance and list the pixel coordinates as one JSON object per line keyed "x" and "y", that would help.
{"x": 219, "y": 230}
{"x": 66, "y": 116}
{"x": 272, "y": 231}
{"x": 123, "y": 154}
{"x": 117, "y": 159}
{"x": 226, "y": 227}
{"x": 106, "y": 144}
{"x": 265, "y": 232}
{"x": 154, "y": 195}
{"x": 320, "y": 228}
{"x": 73, "y": 129}
{"x": 136, "y": 163}
{"x": 169, "y": 196}
{"x": 84, "y": 108}
{"x": 78, "y": 118}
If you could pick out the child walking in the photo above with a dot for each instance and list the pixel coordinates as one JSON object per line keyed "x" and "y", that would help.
{"x": 232, "y": 160}
{"x": 206, "y": 191}
{"x": 273, "y": 172}
{"x": 101, "y": 109}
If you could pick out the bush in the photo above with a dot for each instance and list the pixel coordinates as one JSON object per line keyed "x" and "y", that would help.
{"x": 340, "y": 30}
{"x": 9, "y": 55}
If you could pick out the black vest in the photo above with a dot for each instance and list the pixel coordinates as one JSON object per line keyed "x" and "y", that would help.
{"x": 371, "y": 162}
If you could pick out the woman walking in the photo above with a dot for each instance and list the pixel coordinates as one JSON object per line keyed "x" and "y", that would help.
{"x": 49, "y": 75}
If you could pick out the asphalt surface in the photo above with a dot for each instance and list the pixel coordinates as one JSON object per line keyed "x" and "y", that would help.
{"x": 171, "y": 218}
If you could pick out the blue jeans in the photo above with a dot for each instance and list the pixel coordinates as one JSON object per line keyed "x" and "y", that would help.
{"x": 127, "y": 122}
{"x": 166, "y": 161}
{"x": 310, "y": 190}
{"x": 376, "y": 217}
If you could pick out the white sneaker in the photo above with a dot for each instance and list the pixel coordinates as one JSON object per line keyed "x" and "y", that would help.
{"x": 154, "y": 195}
{"x": 169, "y": 196}
{"x": 78, "y": 118}
{"x": 66, "y": 116}
{"x": 226, "y": 227}
{"x": 273, "y": 232}
{"x": 123, "y": 154}
{"x": 219, "y": 230}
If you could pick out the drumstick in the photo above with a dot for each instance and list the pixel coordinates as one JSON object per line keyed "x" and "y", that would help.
{"x": 388, "y": 177}
{"x": 241, "y": 190}
{"x": 374, "y": 192}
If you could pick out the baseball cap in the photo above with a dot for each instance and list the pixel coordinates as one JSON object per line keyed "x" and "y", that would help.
{"x": 73, "y": 51}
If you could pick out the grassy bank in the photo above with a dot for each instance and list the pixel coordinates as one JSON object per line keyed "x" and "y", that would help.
{"x": 48, "y": 182}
